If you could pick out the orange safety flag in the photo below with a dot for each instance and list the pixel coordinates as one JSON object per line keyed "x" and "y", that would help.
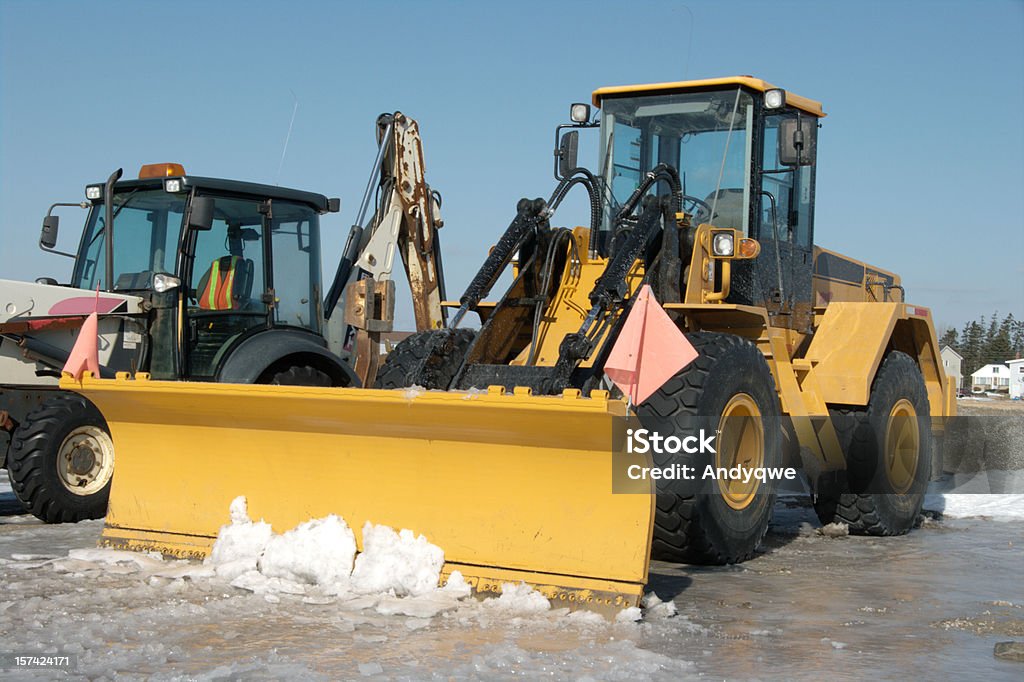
{"x": 85, "y": 354}
{"x": 650, "y": 349}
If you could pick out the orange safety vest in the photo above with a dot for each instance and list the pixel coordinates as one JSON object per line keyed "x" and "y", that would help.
{"x": 220, "y": 286}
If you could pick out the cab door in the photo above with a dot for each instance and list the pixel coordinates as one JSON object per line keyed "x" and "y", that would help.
{"x": 785, "y": 221}
{"x": 226, "y": 287}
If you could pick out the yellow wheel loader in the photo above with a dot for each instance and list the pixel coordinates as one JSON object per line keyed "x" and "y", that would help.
{"x": 504, "y": 444}
{"x": 205, "y": 279}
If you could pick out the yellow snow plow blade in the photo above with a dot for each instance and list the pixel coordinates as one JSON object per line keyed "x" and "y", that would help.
{"x": 511, "y": 487}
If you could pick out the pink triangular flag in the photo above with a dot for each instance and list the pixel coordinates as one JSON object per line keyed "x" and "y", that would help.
{"x": 85, "y": 354}
{"x": 650, "y": 349}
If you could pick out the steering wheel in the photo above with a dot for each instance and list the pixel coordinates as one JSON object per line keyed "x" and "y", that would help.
{"x": 699, "y": 209}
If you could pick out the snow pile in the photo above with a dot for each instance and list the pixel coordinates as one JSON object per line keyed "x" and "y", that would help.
{"x": 239, "y": 544}
{"x": 318, "y": 559}
{"x": 395, "y": 574}
{"x": 396, "y": 562}
{"x": 318, "y": 552}
{"x": 1003, "y": 507}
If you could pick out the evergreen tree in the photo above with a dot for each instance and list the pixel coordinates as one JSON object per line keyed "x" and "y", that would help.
{"x": 999, "y": 347}
{"x": 1017, "y": 337}
{"x": 949, "y": 338}
{"x": 971, "y": 346}
{"x": 986, "y": 343}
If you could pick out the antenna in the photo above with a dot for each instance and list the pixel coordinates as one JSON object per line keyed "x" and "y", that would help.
{"x": 287, "y": 137}
{"x": 689, "y": 43}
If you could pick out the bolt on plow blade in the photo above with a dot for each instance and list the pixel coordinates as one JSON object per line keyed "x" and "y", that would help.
{"x": 511, "y": 487}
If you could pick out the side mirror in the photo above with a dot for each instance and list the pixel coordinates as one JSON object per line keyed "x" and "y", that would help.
{"x": 333, "y": 205}
{"x": 200, "y": 215}
{"x": 567, "y": 152}
{"x": 798, "y": 144}
{"x": 48, "y": 237}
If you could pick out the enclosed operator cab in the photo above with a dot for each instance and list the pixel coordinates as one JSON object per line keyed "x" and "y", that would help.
{"x": 220, "y": 263}
{"x": 745, "y": 151}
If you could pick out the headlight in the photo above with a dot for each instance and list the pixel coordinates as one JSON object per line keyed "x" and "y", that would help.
{"x": 774, "y": 99}
{"x": 172, "y": 185}
{"x": 722, "y": 244}
{"x": 94, "y": 192}
{"x": 579, "y": 113}
{"x": 163, "y": 282}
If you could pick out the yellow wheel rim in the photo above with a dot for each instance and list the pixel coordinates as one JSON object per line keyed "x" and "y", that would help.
{"x": 740, "y": 443}
{"x": 902, "y": 446}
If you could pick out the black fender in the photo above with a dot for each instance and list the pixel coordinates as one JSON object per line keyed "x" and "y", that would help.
{"x": 274, "y": 349}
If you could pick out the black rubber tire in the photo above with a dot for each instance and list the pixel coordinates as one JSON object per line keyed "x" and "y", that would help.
{"x": 32, "y": 461}
{"x": 696, "y": 525}
{"x": 867, "y": 501}
{"x": 429, "y": 359}
{"x": 301, "y": 375}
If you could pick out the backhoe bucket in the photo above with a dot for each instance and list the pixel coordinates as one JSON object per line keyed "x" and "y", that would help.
{"x": 511, "y": 487}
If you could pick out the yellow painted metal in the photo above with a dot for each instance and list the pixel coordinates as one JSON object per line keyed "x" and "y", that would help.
{"x": 804, "y": 104}
{"x": 848, "y": 347}
{"x": 507, "y": 485}
{"x": 571, "y": 304}
{"x": 740, "y": 444}
{"x": 902, "y": 446}
{"x": 859, "y": 282}
{"x": 915, "y": 336}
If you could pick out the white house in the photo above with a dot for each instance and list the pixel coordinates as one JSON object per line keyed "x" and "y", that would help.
{"x": 951, "y": 364}
{"x": 1016, "y": 378}
{"x": 995, "y": 377}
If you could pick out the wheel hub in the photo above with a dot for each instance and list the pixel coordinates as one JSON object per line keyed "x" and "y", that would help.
{"x": 902, "y": 446}
{"x": 82, "y": 460}
{"x": 85, "y": 462}
{"x": 740, "y": 444}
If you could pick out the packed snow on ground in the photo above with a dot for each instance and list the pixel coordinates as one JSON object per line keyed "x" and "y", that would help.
{"x": 997, "y": 507}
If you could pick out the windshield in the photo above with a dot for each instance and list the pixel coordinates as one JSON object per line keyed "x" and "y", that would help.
{"x": 705, "y": 136}
{"x": 147, "y": 225}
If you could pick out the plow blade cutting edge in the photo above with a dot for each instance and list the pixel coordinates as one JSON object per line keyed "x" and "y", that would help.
{"x": 511, "y": 487}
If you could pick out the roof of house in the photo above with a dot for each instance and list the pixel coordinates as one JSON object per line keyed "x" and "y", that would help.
{"x": 950, "y": 349}
{"x": 989, "y": 367}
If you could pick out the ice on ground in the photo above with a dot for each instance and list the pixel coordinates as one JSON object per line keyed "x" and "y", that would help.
{"x": 519, "y": 598}
{"x": 630, "y": 615}
{"x": 1001, "y": 507}
{"x": 836, "y": 529}
{"x": 653, "y": 607}
{"x": 400, "y": 562}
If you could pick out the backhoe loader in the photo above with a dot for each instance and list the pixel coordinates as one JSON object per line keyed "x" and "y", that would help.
{"x": 212, "y": 280}
{"x": 504, "y": 445}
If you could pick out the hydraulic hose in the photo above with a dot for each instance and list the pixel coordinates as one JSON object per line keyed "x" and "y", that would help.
{"x": 529, "y": 216}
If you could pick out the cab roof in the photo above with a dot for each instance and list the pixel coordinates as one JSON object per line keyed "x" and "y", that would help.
{"x": 802, "y": 103}
{"x": 317, "y": 201}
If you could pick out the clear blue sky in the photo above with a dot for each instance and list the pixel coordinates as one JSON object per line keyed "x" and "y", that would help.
{"x": 921, "y": 158}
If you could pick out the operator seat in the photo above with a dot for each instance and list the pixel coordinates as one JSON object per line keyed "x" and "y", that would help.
{"x": 226, "y": 285}
{"x": 728, "y": 209}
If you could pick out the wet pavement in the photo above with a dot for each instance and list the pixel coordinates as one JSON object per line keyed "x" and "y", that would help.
{"x": 932, "y": 604}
